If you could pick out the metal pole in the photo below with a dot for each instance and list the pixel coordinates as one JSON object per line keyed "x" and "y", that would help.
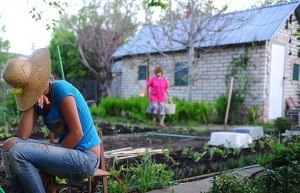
{"x": 60, "y": 63}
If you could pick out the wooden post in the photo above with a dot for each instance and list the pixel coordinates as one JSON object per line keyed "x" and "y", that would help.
{"x": 228, "y": 102}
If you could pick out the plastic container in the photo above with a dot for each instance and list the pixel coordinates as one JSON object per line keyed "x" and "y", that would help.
{"x": 255, "y": 132}
{"x": 230, "y": 139}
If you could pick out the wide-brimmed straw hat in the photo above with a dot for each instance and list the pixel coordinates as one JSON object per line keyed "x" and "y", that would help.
{"x": 28, "y": 77}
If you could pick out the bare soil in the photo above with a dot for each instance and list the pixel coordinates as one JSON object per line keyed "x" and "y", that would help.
{"x": 121, "y": 136}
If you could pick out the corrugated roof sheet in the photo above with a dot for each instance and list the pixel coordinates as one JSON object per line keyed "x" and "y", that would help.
{"x": 232, "y": 28}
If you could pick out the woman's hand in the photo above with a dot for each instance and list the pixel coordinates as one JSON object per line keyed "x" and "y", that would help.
{"x": 41, "y": 101}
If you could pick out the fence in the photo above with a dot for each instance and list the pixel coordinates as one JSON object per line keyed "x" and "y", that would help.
{"x": 90, "y": 89}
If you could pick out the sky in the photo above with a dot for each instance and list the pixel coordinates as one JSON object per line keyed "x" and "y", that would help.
{"x": 25, "y": 34}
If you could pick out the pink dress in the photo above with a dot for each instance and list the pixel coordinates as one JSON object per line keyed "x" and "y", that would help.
{"x": 158, "y": 88}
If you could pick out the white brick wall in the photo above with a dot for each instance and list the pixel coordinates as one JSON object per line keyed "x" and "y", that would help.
{"x": 211, "y": 67}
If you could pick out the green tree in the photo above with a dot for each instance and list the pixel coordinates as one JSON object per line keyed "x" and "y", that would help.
{"x": 183, "y": 18}
{"x": 72, "y": 66}
{"x": 4, "y": 48}
{"x": 4, "y": 57}
{"x": 157, "y": 3}
{"x": 38, "y": 11}
{"x": 100, "y": 28}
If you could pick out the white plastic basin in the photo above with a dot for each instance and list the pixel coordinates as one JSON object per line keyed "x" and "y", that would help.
{"x": 230, "y": 139}
{"x": 255, "y": 132}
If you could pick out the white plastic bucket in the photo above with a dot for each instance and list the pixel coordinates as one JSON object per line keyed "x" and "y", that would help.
{"x": 170, "y": 108}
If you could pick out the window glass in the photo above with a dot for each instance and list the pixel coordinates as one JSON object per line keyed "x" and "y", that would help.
{"x": 181, "y": 74}
{"x": 142, "y": 73}
{"x": 296, "y": 72}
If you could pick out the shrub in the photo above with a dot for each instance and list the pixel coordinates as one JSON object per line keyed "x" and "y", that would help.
{"x": 220, "y": 106}
{"x": 283, "y": 124}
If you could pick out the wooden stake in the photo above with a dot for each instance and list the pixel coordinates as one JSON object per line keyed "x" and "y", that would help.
{"x": 228, "y": 102}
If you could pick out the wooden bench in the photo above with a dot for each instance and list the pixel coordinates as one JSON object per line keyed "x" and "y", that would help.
{"x": 50, "y": 183}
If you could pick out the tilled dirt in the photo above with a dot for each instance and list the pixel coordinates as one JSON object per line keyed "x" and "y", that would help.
{"x": 136, "y": 137}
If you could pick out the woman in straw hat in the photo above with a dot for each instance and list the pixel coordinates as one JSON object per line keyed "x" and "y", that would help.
{"x": 64, "y": 112}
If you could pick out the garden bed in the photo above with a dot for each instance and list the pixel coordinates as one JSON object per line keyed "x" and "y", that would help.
{"x": 178, "y": 151}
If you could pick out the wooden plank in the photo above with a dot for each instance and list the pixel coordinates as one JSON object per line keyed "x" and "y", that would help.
{"x": 133, "y": 153}
{"x": 228, "y": 102}
{"x": 99, "y": 172}
{"x": 117, "y": 150}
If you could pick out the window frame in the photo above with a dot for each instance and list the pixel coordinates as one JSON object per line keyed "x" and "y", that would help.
{"x": 142, "y": 72}
{"x": 296, "y": 72}
{"x": 180, "y": 72}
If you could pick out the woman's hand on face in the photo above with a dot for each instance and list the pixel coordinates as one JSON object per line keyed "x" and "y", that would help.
{"x": 41, "y": 101}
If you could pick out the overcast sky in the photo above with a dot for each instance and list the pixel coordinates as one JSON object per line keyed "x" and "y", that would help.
{"x": 26, "y": 35}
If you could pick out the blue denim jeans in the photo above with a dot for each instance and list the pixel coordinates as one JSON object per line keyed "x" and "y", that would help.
{"x": 27, "y": 157}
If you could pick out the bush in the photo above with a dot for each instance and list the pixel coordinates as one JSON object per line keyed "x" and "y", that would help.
{"x": 283, "y": 124}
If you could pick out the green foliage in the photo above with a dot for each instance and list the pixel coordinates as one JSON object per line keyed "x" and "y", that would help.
{"x": 252, "y": 114}
{"x": 100, "y": 28}
{"x": 37, "y": 12}
{"x": 4, "y": 47}
{"x": 205, "y": 111}
{"x": 133, "y": 108}
{"x": 9, "y": 115}
{"x": 10, "y": 103}
{"x": 238, "y": 70}
{"x": 157, "y": 3}
{"x": 280, "y": 173}
{"x": 72, "y": 66}
{"x": 237, "y": 101}
{"x": 142, "y": 177}
{"x": 297, "y": 35}
{"x": 283, "y": 124}
{"x": 281, "y": 169}
{"x": 220, "y": 106}
{"x": 231, "y": 183}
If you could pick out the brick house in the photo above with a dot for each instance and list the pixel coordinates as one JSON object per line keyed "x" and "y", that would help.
{"x": 273, "y": 60}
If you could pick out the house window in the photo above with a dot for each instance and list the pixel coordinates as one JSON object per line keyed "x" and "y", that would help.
{"x": 296, "y": 72}
{"x": 181, "y": 74}
{"x": 142, "y": 73}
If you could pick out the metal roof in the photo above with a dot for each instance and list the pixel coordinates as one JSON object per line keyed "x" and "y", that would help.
{"x": 259, "y": 24}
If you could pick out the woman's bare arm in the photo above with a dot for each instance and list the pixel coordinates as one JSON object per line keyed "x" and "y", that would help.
{"x": 26, "y": 124}
{"x": 70, "y": 114}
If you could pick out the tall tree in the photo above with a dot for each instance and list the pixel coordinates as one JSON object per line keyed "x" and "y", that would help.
{"x": 4, "y": 47}
{"x": 100, "y": 28}
{"x": 182, "y": 25}
{"x": 64, "y": 55}
{"x": 4, "y": 57}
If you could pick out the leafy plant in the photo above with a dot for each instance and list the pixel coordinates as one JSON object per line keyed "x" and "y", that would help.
{"x": 220, "y": 106}
{"x": 141, "y": 177}
{"x": 205, "y": 111}
{"x": 283, "y": 124}
{"x": 231, "y": 183}
{"x": 252, "y": 114}
{"x": 195, "y": 155}
{"x": 211, "y": 152}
